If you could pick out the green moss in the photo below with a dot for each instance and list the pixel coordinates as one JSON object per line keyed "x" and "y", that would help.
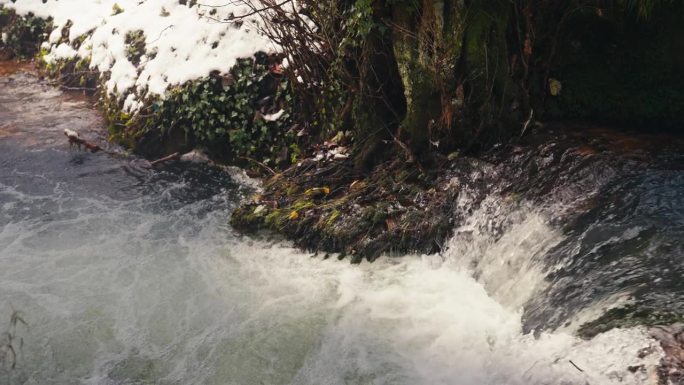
{"x": 276, "y": 218}
{"x": 301, "y": 204}
{"x": 332, "y": 217}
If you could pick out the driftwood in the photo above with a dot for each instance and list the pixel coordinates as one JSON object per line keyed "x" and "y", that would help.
{"x": 174, "y": 156}
{"x": 74, "y": 138}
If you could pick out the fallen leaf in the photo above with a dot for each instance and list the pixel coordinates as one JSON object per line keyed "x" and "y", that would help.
{"x": 555, "y": 87}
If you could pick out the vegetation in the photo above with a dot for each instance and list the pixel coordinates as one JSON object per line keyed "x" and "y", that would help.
{"x": 22, "y": 35}
{"x": 233, "y": 115}
{"x": 426, "y": 77}
{"x": 244, "y": 116}
{"x": 135, "y": 46}
{"x": 435, "y": 75}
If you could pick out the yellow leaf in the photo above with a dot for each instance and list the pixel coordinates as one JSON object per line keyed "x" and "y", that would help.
{"x": 555, "y": 87}
{"x": 294, "y": 215}
{"x": 317, "y": 191}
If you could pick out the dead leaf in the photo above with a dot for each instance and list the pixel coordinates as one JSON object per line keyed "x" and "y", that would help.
{"x": 555, "y": 87}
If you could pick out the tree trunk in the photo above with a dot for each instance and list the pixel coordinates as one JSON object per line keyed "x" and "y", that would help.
{"x": 454, "y": 63}
{"x": 379, "y": 103}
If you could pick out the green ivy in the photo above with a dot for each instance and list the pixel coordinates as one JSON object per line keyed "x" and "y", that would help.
{"x": 23, "y": 34}
{"x": 223, "y": 114}
{"x": 135, "y": 46}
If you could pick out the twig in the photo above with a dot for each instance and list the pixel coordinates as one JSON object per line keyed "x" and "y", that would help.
{"x": 160, "y": 34}
{"x": 74, "y": 138}
{"x": 270, "y": 170}
{"x": 66, "y": 88}
{"x": 576, "y": 367}
{"x": 259, "y": 10}
{"x": 174, "y": 156}
{"x": 527, "y": 123}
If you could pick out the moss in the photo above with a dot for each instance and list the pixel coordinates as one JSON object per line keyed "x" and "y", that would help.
{"x": 360, "y": 218}
{"x": 250, "y": 217}
{"x": 332, "y": 217}
{"x": 277, "y": 218}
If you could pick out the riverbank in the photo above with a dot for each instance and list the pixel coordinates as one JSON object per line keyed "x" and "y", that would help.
{"x": 323, "y": 203}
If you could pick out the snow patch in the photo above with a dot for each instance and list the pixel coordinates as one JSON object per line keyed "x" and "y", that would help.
{"x": 181, "y": 43}
{"x": 274, "y": 117}
{"x": 60, "y": 52}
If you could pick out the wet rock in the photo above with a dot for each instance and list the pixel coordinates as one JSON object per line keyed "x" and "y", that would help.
{"x": 671, "y": 368}
{"x": 389, "y": 210}
{"x": 195, "y": 156}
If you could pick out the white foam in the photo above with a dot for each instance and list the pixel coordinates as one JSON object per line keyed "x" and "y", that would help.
{"x": 117, "y": 292}
{"x": 502, "y": 244}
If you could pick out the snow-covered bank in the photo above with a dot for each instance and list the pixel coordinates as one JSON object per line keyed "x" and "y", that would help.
{"x": 182, "y": 42}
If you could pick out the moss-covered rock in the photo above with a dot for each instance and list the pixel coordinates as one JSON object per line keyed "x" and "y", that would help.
{"x": 332, "y": 208}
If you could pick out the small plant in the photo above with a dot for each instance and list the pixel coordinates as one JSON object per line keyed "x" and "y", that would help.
{"x": 135, "y": 46}
{"x": 116, "y": 9}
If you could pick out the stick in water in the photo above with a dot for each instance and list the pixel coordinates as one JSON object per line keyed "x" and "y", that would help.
{"x": 74, "y": 138}
{"x": 576, "y": 367}
{"x": 174, "y": 156}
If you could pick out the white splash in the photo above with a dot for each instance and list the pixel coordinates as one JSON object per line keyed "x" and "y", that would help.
{"x": 119, "y": 292}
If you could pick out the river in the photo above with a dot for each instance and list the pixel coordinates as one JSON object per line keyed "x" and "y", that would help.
{"x": 131, "y": 275}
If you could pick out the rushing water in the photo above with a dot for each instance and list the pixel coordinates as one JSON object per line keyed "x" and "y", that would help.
{"x": 130, "y": 275}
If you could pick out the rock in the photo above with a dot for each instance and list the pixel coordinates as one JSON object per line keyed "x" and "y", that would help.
{"x": 671, "y": 338}
{"x": 195, "y": 156}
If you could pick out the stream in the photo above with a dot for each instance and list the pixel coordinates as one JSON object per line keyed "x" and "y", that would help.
{"x": 131, "y": 275}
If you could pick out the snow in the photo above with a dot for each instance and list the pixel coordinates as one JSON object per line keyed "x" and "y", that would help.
{"x": 185, "y": 43}
{"x": 62, "y": 51}
{"x": 71, "y": 134}
{"x": 274, "y": 117}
